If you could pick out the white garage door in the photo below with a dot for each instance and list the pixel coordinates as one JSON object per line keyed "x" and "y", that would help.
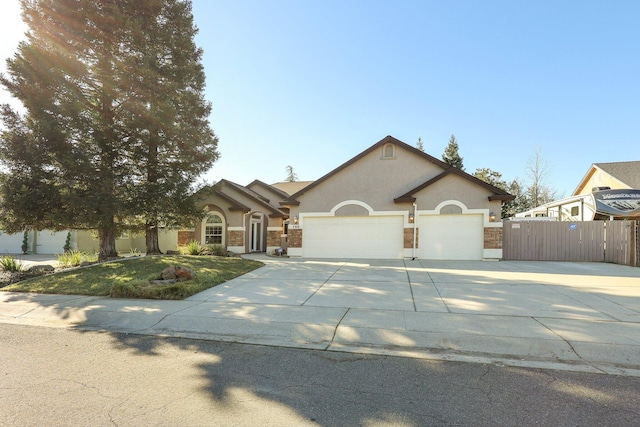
{"x": 374, "y": 237}
{"x": 50, "y": 242}
{"x": 10, "y": 243}
{"x": 451, "y": 237}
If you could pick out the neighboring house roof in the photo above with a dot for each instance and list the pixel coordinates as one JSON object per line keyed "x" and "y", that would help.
{"x": 625, "y": 172}
{"x": 498, "y": 194}
{"x": 291, "y": 187}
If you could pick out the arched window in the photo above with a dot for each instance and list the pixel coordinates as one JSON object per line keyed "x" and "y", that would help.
{"x": 214, "y": 230}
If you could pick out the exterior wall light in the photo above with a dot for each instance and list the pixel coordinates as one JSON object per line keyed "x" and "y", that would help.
{"x": 492, "y": 216}
{"x": 295, "y": 219}
{"x": 412, "y": 218}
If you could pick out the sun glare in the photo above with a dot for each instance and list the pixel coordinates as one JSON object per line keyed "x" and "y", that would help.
{"x": 12, "y": 31}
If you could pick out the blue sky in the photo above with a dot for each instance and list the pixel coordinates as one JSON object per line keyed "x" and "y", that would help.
{"x": 311, "y": 84}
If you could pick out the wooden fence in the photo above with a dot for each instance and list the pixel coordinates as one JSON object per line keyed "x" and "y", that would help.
{"x": 595, "y": 241}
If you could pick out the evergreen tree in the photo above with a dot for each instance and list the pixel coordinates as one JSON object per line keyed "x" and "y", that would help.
{"x": 291, "y": 175}
{"x": 491, "y": 177}
{"x": 451, "y": 155}
{"x": 115, "y": 125}
{"x": 495, "y": 178}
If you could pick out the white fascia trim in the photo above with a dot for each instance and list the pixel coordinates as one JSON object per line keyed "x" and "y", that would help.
{"x": 332, "y": 213}
{"x": 235, "y": 228}
{"x": 274, "y": 228}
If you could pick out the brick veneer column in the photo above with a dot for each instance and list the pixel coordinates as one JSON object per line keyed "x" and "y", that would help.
{"x": 295, "y": 237}
{"x": 493, "y": 237}
{"x": 273, "y": 237}
{"x": 236, "y": 238}
{"x": 408, "y": 238}
{"x": 184, "y": 237}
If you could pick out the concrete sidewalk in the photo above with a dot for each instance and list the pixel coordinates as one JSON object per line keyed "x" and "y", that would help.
{"x": 572, "y": 316}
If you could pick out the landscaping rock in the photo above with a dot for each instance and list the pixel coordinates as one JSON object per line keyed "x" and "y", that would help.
{"x": 43, "y": 268}
{"x": 177, "y": 272}
{"x": 170, "y": 252}
{"x": 183, "y": 273}
{"x": 168, "y": 273}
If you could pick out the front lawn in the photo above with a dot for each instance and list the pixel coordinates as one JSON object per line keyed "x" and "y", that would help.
{"x": 129, "y": 278}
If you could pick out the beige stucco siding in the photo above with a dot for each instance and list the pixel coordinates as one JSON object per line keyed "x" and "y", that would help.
{"x": 454, "y": 187}
{"x": 601, "y": 179}
{"x": 373, "y": 180}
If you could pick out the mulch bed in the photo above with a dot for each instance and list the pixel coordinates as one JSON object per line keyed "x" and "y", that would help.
{"x": 9, "y": 277}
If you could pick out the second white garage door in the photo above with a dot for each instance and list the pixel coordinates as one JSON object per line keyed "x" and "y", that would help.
{"x": 374, "y": 237}
{"x": 451, "y": 237}
{"x": 50, "y": 242}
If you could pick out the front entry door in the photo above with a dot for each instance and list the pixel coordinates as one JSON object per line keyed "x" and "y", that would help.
{"x": 256, "y": 234}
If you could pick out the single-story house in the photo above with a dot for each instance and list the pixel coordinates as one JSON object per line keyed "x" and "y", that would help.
{"x": 391, "y": 201}
{"x": 607, "y": 190}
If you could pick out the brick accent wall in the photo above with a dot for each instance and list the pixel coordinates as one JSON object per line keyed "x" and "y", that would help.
{"x": 493, "y": 238}
{"x": 295, "y": 237}
{"x": 236, "y": 238}
{"x": 408, "y": 238}
{"x": 273, "y": 237}
{"x": 184, "y": 237}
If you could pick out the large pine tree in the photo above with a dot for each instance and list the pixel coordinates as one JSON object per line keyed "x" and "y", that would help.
{"x": 116, "y": 126}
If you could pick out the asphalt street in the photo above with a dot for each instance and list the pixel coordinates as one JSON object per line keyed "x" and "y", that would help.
{"x": 65, "y": 377}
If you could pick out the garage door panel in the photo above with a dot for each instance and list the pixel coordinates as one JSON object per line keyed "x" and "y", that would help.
{"x": 50, "y": 242}
{"x": 353, "y": 237}
{"x": 451, "y": 237}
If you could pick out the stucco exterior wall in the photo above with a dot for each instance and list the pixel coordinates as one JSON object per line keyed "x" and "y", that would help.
{"x": 453, "y": 187}
{"x": 371, "y": 179}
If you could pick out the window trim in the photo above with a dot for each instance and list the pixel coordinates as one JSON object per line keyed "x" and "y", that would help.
{"x": 385, "y": 148}
{"x": 221, "y": 225}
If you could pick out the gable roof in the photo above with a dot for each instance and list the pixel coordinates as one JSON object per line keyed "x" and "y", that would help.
{"x": 222, "y": 185}
{"x": 408, "y": 197}
{"x": 279, "y": 193}
{"x": 626, "y": 172}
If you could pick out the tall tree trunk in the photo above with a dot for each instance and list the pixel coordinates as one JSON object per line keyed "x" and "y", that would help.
{"x": 107, "y": 241}
{"x": 151, "y": 235}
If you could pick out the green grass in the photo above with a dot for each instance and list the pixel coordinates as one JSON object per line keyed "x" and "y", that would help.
{"x": 129, "y": 278}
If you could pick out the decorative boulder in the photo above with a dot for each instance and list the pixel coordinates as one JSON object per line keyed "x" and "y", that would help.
{"x": 183, "y": 273}
{"x": 44, "y": 268}
{"x": 177, "y": 273}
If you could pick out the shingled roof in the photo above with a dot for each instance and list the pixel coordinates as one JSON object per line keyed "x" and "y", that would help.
{"x": 627, "y": 172}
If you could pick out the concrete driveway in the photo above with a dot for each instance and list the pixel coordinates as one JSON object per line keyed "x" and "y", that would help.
{"x": 576, "y": 316}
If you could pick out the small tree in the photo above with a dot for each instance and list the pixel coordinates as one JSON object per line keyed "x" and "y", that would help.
{"x": 451, "y": 155}
{"x": 291, "y": 175}
{"x": 538, "y": 192}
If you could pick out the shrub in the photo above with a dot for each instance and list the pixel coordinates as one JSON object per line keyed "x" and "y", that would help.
{"x": 70, "y": 259}
{"x": 193, "y": 248}
{"x": 9, "y": 263}
{"x": 25, "y": 242}
{"x": 134, "y": 252}
{"x": 216, "y": 250}
{"x": 67, "y": 243}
